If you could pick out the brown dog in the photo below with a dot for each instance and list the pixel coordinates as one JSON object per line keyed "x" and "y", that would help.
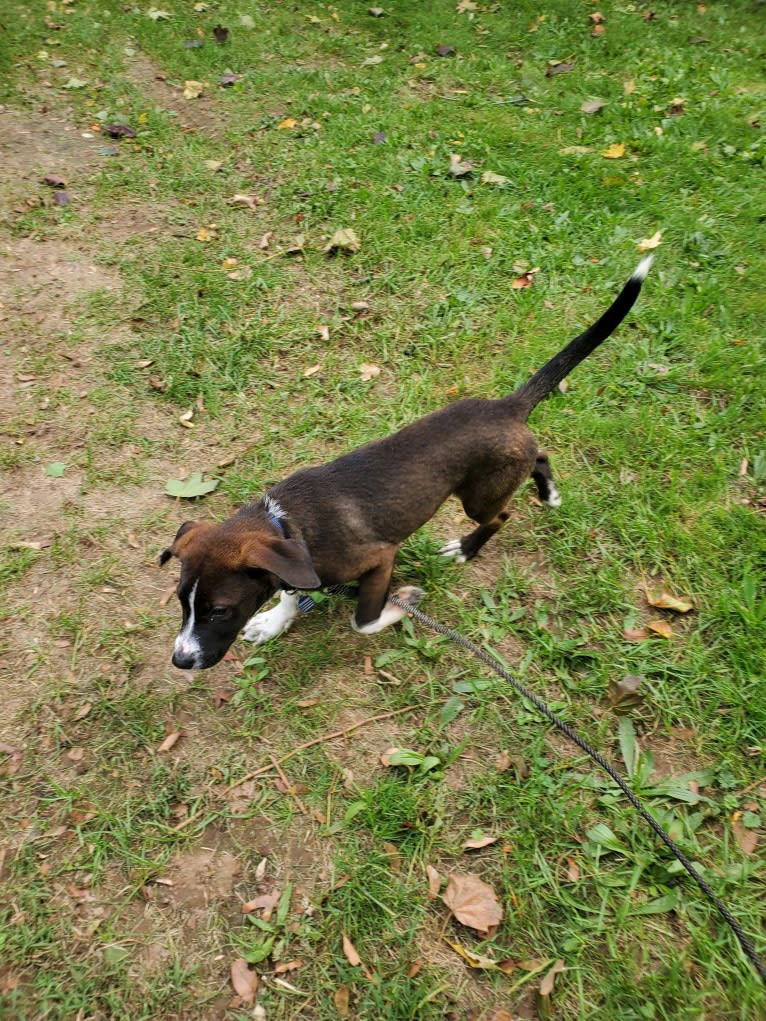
{"x": 345, "y": 521}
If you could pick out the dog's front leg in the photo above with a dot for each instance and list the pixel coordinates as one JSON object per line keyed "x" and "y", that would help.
{"x": 374, "y": 611}
{"x": 262, "y": 627}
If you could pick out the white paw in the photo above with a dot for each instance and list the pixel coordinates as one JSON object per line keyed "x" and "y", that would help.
{"x": 267, "y": 625}
{"x": 410, "y": 594}
{"x": 554, "y": 497}
{"x": 454, "y": 550}
{"x": 391, "y": 613}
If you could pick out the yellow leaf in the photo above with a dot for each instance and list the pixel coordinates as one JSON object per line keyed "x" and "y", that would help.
{"x": 649, "y": 243}
{"x": 473, "y": 960}
{"x": 288, "y": 122}
{"x": 665, "y": 600}
{"x": 660, "y": 627}
{"x": 208, "y": 233}
{"x": 343, "y": 240}
{"x": 193, "y": 90}
{"x": 614, "y": 152}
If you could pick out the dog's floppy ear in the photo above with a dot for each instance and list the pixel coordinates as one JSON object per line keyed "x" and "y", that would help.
{"x": 287, "y": 558}
{"x": 176, "y": 546}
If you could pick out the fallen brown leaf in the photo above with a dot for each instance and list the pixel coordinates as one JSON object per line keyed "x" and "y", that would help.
{"x": 282, "y": 969}
{"x": 592, "y": 105}
{"x": 343, "y": 240}
{"x": 473, "y": 902}
{"x": 625, "y": 694}
{"x": 265, "y": 902}
{"x": 394, "y": 856}
{"x": 478, "y": 842}
{"x": 459, "y": 167}
{"x": 636, "y": 634}
{"x": 745, "y": 839}
{"x": 169, "y": 741}
{"x": 349, "y": 952}
{"x": 434, "y": 881}
{"x": 244, "y": 980}
{"x": 368, "y": 371}
{"x": 559, "y": 67}
{"x": 546, "y": 986}
{"x": 665, "y": 600}
{"x": 649, "y": 243}
{"x": 193, "y": 89}
{"x": 661, "y": 628}
{"x": 341, "y": 998}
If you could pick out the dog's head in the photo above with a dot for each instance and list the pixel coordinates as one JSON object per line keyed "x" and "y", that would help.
{"x": 227, "y": 572}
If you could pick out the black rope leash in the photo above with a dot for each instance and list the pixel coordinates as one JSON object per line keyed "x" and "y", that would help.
{"x": 744, "y": 940}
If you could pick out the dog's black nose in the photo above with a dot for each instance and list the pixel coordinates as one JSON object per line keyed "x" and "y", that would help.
{"x": 183, "y": 662}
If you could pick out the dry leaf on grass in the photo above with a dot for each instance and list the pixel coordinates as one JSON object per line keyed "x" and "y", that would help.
{"x": 558, "y": 67}
{"x": 459, "y": 167}
{"x": 282, "y": 969}
{"x": 434, "y": 882}
{"x": 349, "y": 952}
{"x": 546, "y": 986}
{"x": 614, "y": 152}
{"x": 265, "y": 902}
{"x": 665, "y": 600}
{"x": 473, "y": 902}
{"x": 193, "y": 90}
{"x": 745, "y": 838}
{"x": 592, "y": 105}
{"x": 368, "y": 371}
{"x": 343, "y": 240}
{"x": 341, "y": 997}
{"x": 244, "y": 980}
{"x": 490, "y": 177}
{"x": 635, "y": 634}
{"x": 649, "y": 243}
{"x": 472, "y": 959}
{"x": 476, "y": 843}
{"x": 169, "y": 741}
{"x": 251, "y": 201}
{"x": 661, "y": 628}
{"x": 625, "y": 694}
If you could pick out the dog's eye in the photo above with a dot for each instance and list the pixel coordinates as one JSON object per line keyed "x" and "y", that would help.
{"x": 220, "y": 612}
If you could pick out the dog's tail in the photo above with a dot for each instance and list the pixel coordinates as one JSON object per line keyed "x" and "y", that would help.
{"x": 550, "y": 375}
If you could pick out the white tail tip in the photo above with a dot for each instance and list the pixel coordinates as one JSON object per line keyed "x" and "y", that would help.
{"x": 641, "y": 270}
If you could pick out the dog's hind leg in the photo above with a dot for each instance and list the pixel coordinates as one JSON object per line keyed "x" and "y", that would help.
{"x": 543, "y": 479}
{"x": 467, "y": 547}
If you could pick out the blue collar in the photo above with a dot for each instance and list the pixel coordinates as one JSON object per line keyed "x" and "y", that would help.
{"x": 277, "y": 523}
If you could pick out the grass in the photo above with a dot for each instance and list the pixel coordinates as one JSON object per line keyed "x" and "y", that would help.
{"x": 340, "y": 119}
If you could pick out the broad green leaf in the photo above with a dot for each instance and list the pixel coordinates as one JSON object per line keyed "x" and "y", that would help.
{"x": 56, "y": 470}
{"x": 189, "y": 488}
{"x": 450, "y": 710}
{"x": 601, "y": 834}
{"x": 405, "y": 757}
{"x": 659, "y": 906}
{"x": 628, "y": 746}
{"x": 472, "y": 687}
